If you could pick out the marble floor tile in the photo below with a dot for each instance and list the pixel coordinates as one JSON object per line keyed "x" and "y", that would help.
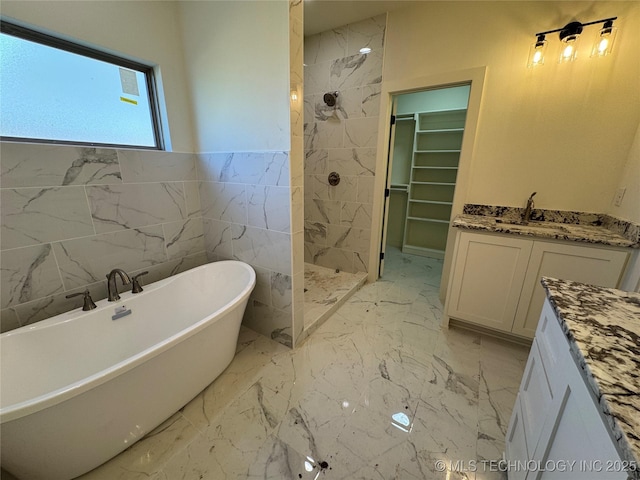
{"x": 377, "y": 391}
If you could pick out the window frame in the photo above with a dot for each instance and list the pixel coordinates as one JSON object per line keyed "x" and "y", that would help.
{"x": 29, "y": 34}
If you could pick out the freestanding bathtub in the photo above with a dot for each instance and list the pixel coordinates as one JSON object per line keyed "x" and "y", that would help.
{"x": 78, "y": 388}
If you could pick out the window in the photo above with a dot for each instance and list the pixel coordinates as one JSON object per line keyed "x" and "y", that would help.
{"x": 61, "y": 92}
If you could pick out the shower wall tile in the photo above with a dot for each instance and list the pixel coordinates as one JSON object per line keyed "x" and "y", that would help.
{"x": 352, "y": 161}
{"x": 184, "y": 238}
{"x": 361, "y": 132}
{"x": 323, "y": 211}
{"x": 367, "y": 33}
{"x": 296, "y": 161}
{"x": 224, "y": 201}
{"x": 269, "y": 207}
{"x": 269, "y": 321}
{"x": 87, "y": 260}
{"x": 33, "y": 216}
{"x": 326, "y": 46}
{"x": 132, "y": 205}
{"x": 356, "y": 214}
{"x": 151, "y": 166}
{"x": 343, "y": 139}
{"x": 28, "y": 273}
{"x": 315, "y": 161}
{"x": 32, "y": 165}
{"x": 348, "y": 238}
{"x": 371, "y": 100}
{"x": 365, "y": 189}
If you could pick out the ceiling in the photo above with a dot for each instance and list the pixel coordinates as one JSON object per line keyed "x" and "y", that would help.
{"x": 322, "y": 15}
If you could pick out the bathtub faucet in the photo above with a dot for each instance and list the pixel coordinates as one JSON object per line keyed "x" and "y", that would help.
{"x": 112, "y": 289}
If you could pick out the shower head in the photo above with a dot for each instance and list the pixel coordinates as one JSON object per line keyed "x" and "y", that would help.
{"x": 330, "y": 99}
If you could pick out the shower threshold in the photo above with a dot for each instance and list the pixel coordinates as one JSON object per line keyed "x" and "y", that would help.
{"x": 325, "y": 291}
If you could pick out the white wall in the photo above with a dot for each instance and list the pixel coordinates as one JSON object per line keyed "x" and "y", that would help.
{"x": 629, "y": 209}
{"x": 564, "y": 131}
{"x": 145, "y": 31}
{"x": 237, "y": 62}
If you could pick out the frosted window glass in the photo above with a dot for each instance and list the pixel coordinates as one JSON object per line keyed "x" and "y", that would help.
{"x": 52, "y": 94}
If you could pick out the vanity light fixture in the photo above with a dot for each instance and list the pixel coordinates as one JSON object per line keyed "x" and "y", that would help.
{"x": 569, "y": 36}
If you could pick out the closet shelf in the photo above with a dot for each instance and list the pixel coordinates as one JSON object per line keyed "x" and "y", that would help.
{"x": 433, "y": 202}
{"x": 435, "y": 168}
{"x": 433, "y": 183}
{"x": 436, "y": 151}
{"x": 425, "y": 219}
{"x": 440, "y": 130}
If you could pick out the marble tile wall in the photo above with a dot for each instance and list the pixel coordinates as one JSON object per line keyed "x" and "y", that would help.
{"x": 71, "y": 214}
{"x": 296, "y": 163}
{"x": 247, "y": 203}
{"x": 343, "y": 139}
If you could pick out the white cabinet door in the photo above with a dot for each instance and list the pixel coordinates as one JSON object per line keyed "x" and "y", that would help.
{"x": 593, "y": 265}
{"x": 486, "y": 279}
{"x": 516, "y": 443}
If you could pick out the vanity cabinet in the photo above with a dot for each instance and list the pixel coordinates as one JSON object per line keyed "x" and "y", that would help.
{"x": 495, "y": 278}
{"x": 556, "y": 421}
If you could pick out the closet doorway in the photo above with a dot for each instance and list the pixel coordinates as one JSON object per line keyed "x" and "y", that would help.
{"x": 424, "y": 154}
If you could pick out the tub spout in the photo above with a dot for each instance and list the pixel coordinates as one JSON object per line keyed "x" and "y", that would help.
{"x": 112, "y": 289}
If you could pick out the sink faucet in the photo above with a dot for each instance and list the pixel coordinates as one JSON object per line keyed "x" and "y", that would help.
{"x": 526, "y": 216}
{"x": 112, "y": 289}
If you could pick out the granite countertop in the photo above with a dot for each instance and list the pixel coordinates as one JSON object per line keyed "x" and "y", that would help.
{"x": 603, "y": 328}
{"x": 544, "y": 229}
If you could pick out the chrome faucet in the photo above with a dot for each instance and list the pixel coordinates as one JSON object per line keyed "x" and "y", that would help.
{"x": 526, "y": 216}
{"x": 112, "y": 289}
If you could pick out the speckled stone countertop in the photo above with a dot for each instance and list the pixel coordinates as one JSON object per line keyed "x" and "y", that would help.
{"x": 544, "y": 229}
{"x": 603, "y": 328}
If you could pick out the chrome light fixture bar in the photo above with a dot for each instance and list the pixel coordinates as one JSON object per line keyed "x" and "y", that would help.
{"x": 569, "y": 35}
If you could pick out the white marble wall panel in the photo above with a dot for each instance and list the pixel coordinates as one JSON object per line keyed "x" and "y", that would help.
{"x": 262, "y": 290}
{"x": 352, "y": 161}
{"x": 151, "y": 166}
{"x": 87, "y": 260}
{"x": 263, "y": 248}
{"x": 269, "y": 207}
{"x": 192, "y": 199}
{"x": 297, "y": 209}
{"x": 315, "y": 161}
{"x": 281, "y": 291}
{"x": 184, "y": 238}
{"x": 356, "y": 71}
{"x": 132, "y": 205}
{"x": 356, "y": 214}
{"x": 32, "y": 216}
{"x": 217, "y": 237}
{"x": 30, "y": 165}
{"x": 367, "y": 33}
{"x": 48, "y": 195}
{"x": 326, "y": 46}
{"x": 371, "y": 100}
{"x": 224, "y": 201}
{"x": 296, "y": 162}
{"x": 361, "y": 132}
{"x": 343, "y": 139}
{"x": 28, "y": 273}
{"x": 324, "y": 211}
{"x": 269, "y": 321}
{"x": 348, "y": 238}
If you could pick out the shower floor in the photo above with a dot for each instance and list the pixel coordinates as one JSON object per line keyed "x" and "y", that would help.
{"x": 324, "y": 291}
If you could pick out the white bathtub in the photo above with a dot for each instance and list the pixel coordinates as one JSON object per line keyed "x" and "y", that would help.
{"x": 78, "y": 388}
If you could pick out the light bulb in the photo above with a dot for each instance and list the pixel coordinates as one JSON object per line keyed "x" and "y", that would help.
{"x": 536, "y": 52}
{"x": 604, "y": 42}
{"x": 569, "y": 50}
